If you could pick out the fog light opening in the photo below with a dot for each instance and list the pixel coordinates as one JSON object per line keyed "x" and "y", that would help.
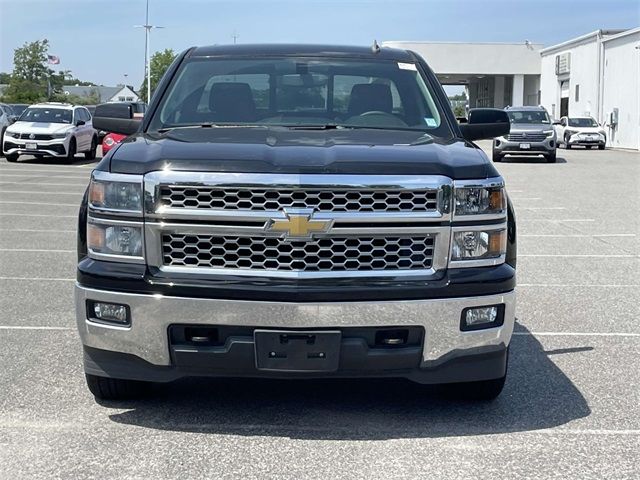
{"x": 104, "y": 312}
{"x": 478, "y": 318}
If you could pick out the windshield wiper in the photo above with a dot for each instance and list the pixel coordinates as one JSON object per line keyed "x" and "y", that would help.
{"x": 207, "y": 125}
{"x": 326, "y": 126}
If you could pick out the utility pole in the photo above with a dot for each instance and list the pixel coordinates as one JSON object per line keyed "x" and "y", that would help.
{"x": 147, "y": 57}
{"x": 235, "y": 37}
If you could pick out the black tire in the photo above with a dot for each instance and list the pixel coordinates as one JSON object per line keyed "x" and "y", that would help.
{"x": 91, "y": 154}
{"x": 104, "y": 388}
{"x": 588, "y": 147}
{"x": 483, "y": 391}
{"x": 567, "y": 145}
{"x": 551, "y": 158}
{"x": 71, "y": 154}
{"x": 2, "y": 141}
{"x": 497, "y": 157}
{"x": 11, "y": 157}
{"x": 601, "y": 147}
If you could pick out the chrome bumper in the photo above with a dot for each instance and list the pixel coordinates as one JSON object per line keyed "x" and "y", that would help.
{"x": 151, "y": 316}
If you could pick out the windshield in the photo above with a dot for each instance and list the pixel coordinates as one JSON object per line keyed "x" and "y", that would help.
{"x": 582, "y": 122}
{"x": 299, "y": 93}
{"x": 528, "y": 116}
{"x": 47, "y": 115}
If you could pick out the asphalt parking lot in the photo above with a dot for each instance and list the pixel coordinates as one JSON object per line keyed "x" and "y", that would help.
{"x": 570, "y": 409}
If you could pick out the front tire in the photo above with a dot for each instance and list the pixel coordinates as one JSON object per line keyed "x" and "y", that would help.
{"x": 601, "y": 146}
{"x": 497, "y": 157}
{"x": 104, "y": 388}
{"x": 551, "y": 158}
{"x": 588, "y": 147}
{"x": 71, "y": 154}
{"x": 2, "y": 141}
{"x": 11, "y": 157}
{"x": 567, "y": 145}
{"x": 91, "y": 154}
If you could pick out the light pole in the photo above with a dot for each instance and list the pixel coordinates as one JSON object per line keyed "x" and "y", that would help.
{"x": 147, "y": 57}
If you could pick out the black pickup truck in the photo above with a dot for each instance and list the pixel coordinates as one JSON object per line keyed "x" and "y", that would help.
{"x": 295, "y": 211}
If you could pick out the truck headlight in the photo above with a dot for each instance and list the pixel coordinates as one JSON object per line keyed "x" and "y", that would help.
{"x": 61, "y": 135}
{"x": 115, "y": 193}
{"x": 548, "y": 133}
{"x": 478, "y": 247}
{"x": 113, "y": 240}
{"x": 488, "y": 200}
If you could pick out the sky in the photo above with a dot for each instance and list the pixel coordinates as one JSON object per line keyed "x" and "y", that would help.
{"x": 97, "y": 41}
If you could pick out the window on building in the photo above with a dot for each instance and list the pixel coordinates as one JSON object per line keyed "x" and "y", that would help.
{"x": 121, "y": 99}
{"x": 577, "y": 93}
{"x": 129, "y": 99}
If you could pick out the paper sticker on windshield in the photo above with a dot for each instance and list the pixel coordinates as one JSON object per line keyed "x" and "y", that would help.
{"x": 431, "y": 122}
{"x": 407, "y": 66}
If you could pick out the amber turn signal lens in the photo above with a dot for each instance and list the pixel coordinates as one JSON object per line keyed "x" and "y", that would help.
{"x": 96, "y": 193}
{"x": 95, "y": 237}
{"x": 498, "y": 242}
{"x": 497, "y": 200}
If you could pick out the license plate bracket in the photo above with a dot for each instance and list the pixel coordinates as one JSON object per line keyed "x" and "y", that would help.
{"x": 31, "y": 146}
{"x": 297, "y": 351}
{"x": 525, "y": 146}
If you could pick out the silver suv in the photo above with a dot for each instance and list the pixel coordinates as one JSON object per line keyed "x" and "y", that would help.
{"x": 531, "y": 134}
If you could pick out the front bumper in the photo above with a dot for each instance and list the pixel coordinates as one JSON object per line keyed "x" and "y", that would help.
{"x": 504, "y": 146}
{"x": 144, "y": 351}
{"x": 585, "y": 139}
{"x": 53, "y": 148}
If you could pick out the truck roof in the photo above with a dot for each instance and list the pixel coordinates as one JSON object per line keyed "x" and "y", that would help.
{"x": 385, "y": 53}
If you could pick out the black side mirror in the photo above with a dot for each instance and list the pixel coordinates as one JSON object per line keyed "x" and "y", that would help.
{"x": 13, "y": 118}
{"x": 116, "y": 118}
{"x": 485, "y": 123}
{"x": 557, "y": 122}
{"x": 80, "y": 123}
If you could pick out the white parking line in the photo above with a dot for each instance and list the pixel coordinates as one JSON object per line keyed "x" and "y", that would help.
{"x": 577, "y": 334}
{"x": 40, "y": 183}
{"x": 559, "y": 220}
{"x": 542, "y": 208}
{"x": 578, "y": 285}
{"x": 525, "y": 198}
{"x": 39, "y": 279}
{"x": 84, "y": 177}
{"x": 36, "y": 231}
{"x": 44, "y": 193}
{"x": 22, "y": 327}
{"x": 2, "y": 202}
{"x": 36, "y": 215}
{"x": 580, "y": 235}
{"x": 35, "y": 250}
{"x": 536, "y": 255}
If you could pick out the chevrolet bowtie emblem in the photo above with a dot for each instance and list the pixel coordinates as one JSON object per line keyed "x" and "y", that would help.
{"x": 299, "y": 225}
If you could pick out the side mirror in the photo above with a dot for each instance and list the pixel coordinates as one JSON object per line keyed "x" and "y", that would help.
{"x": 79, "y": 123}
{"x": 557, "y": 122}
{"x": 485, "y": 123}
{"x": 13, "y": 118}
{"x": 116, "y": 118}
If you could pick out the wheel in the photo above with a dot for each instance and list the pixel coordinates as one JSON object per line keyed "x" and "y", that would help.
{"x": 567, "y": 145}
{"x": 71, "y": 154}
{"x": 105, "y": 388}
{"x": 551, "y": 157}
{"x": 2, "y": 141}
{"x": 588, "y": 147}
{"x": 91, "y": 154}
{"x": 601, "y": 146}
{"x": 497, "y": 157}
{"x": 11, "y": 157}
{"x": 485, "y": 390}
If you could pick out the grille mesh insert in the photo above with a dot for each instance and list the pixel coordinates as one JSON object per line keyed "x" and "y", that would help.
{"x": 321, "y": 200}
{"x": 328, "y": 254}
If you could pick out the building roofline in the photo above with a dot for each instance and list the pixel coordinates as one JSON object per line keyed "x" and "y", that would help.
{"x": 424, "y": 42}
{"x": 622, "y": 34}
{"x": 581, "y": 38}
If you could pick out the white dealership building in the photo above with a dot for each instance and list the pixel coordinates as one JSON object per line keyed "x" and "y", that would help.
{"x": 597, "y": 74}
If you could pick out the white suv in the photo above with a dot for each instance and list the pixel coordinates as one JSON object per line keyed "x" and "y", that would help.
{"x": 51, "y": 129}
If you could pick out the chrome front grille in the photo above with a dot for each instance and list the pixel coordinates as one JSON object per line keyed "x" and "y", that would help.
{"x": 320, "y": 200}
{"x": 295, "y": 225}
{"x": 526, "y": 137}
{"x": 329, "y": 254}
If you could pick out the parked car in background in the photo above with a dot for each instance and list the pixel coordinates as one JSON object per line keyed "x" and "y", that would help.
{"x": 580, "y": 131}
{"x": 51, "y": 129}
{"x": 18, "y": 108}
{"x": 111, "y": 140}
{"x": 531, "y": 134}
{"x": 6, "y": 117}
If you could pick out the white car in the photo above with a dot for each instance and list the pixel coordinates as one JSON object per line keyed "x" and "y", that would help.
{"x": 51, "y": 129}
{"x": 581, "y": 131}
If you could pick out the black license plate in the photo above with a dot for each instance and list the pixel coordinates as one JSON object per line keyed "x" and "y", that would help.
{"x": 295, "y": 351}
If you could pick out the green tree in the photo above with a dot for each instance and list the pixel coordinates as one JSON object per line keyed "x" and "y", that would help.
{"x": 160, "y": 62}
{"x": 29, "y": 80}
{"x": 5, "y": 78}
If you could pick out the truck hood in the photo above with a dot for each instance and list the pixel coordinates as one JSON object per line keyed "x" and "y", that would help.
{"x": 283, "y": 150}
